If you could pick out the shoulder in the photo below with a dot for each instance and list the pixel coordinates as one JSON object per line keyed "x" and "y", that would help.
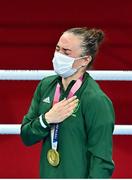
{"x": 94, "y": 98}
{"x": 96, "y": 106}
{"x": 49, "y": 79}
{"x": 92, "y": 89}
{"x": 46, "y": 82}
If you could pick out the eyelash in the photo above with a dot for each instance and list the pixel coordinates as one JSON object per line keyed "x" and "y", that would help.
{"x": 57, "y": 49}
{"x": 66, "y": 54}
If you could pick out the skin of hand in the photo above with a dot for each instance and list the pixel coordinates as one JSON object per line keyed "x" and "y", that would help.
{"x": 61, "y": 110}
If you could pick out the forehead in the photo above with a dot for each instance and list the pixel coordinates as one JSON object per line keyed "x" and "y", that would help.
{"x": 70, "y": 41}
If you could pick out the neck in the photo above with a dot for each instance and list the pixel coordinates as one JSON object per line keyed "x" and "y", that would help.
{"x": 66, "y": 81}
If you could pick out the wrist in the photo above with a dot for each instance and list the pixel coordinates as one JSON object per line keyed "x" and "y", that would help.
{"x": 47, "y": 118}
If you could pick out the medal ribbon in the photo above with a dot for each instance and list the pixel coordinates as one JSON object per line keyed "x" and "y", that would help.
{"x": 55, "y": 127}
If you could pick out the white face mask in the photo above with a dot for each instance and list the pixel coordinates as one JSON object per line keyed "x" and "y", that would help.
{"x": 63, "y": 64}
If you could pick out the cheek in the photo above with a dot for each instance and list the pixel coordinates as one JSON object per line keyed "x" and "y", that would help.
{"x": 77, "y": 64}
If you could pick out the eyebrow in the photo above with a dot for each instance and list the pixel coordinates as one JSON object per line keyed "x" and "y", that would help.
{"x": 65, "y": 49}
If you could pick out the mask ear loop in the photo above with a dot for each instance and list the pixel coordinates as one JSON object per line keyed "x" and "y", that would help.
{"x": 81, "y": 57}
{"x": 89, "y": 59}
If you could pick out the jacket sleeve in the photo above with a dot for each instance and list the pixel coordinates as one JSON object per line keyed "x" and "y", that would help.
{"x": 99, "y": 118}
{"x": 32, "y": 130}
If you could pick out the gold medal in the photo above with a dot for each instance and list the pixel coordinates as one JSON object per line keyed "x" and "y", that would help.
{"x": 53, "y": 157}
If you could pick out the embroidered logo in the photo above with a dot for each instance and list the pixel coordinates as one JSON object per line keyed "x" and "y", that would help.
{"x": 75, "y": 110}
{"x": 46, "y": 100}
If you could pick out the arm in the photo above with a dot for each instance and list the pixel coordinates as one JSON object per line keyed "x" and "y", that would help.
{"x": 99, "y": 118}
{"x": 34, "y": 127}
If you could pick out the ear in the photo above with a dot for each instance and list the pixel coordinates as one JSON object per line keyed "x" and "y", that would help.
{"x": 86, "y": 61}
{"x": 89, "y": 58}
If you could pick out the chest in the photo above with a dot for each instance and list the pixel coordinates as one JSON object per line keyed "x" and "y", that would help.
{"x": 72, "y": 125}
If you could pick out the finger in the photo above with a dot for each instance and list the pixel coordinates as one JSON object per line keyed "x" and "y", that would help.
{"x": 72, "y": 99}
{"x": 69, "y": 100}
{"x": 71, "y": 108}
{"x": 68, "y": 114}
{"x": 64, "y": 111}
{"x": 75, "y": 102}
{"x": 64, "y": 104}
{"x": 61, "y": 102}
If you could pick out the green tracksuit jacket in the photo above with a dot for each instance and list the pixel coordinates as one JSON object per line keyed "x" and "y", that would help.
{"x": 85, "y": 138}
